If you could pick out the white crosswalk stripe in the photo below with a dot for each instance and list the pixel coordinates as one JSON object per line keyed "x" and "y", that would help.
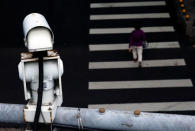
{"x": 131, "y": 64}
{"x": 124, "y": 46}
{"x": 129, "y": 16}
{"x": 128, "y": 30}
{"x": 161, "y": 106}
{"x": 140, "y": 84}
{"x": 127, "y": 4}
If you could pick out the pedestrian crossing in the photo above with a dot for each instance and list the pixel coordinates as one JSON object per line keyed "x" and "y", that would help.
{"x": 115, "y": 82}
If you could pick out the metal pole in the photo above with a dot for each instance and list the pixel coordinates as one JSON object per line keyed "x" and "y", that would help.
{"x": 125, "y": 120}
{"x": 106, "y": 119}
{"x": 11, "y": 113}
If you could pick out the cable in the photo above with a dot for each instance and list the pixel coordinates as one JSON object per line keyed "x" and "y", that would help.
{"x": 40, "y": 92}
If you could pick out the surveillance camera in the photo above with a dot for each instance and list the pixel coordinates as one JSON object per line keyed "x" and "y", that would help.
{"x": 38, "y": 36}
{"x": 41, "y": 70}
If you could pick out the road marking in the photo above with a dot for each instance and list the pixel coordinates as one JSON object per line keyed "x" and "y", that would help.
{"x": 162, "y": 106}
{"x": 131, "y": 64}
{"x": 128, "y": 30}
{"x": 140, "y": 84}
{"x": 127, "y": 4}
{"x": 124, "y": 46}
{"x": 129, "y": 16}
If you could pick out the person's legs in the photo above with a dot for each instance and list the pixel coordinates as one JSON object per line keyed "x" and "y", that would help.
{"x": 140, "y": 51}
{"x": 134, "y": 50}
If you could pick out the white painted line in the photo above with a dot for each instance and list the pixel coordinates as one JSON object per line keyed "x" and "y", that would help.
{"x": 132, "y": 64}
{"x": 127, "y": 4}
{"x": 140, "y": 84}
{"x": 124, "y": 46}
{"x": 129, "y": 16}
{"x": 129, "y": 30}
{"x": 161, "y": 106}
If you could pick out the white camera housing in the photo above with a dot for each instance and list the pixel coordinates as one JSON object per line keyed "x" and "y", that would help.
{"x": 38, "y": 36}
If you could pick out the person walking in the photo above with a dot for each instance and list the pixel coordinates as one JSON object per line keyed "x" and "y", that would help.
{"x": 137, "y": 38}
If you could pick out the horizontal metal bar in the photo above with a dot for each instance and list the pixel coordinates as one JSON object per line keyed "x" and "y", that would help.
{"x": 125, "y": 120}
{"x": 106, "y": 119}
{"x": 11, "y": 113}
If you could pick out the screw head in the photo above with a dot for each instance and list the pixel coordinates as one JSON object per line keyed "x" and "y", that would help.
{"x": 102, "y": 110}
{"x": 137, "y": 112}
{"x": 25, "y": 107}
